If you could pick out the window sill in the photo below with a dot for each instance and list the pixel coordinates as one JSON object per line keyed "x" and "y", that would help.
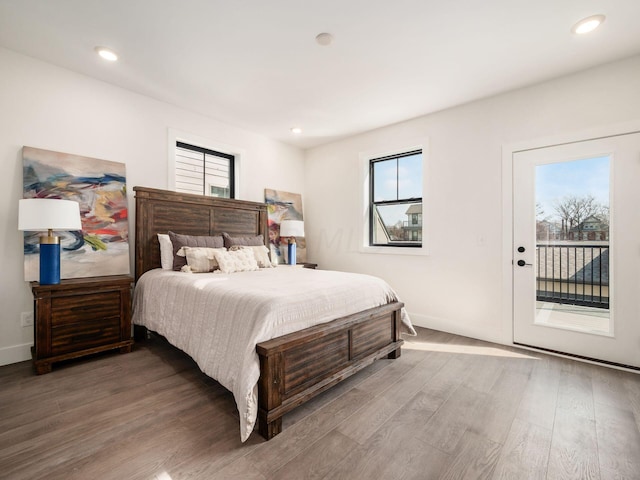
{"x": 421, "y": 251}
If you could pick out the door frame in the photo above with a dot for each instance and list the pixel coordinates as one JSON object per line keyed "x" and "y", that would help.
{"x": 508, "y": 151}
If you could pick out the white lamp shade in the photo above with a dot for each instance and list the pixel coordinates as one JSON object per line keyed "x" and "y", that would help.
{"x": 38, "y": 214}
{"x": 292, "y": 228}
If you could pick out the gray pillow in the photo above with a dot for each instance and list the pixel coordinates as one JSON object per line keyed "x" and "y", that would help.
{"x": 178, "y": 241}
{"x": 251, "y": 241}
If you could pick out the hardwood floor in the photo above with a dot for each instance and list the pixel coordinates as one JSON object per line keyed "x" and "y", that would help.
{"x": 451, "y": 408}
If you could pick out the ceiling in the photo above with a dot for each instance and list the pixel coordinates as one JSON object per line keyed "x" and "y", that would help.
{"x": 255, "y": 63}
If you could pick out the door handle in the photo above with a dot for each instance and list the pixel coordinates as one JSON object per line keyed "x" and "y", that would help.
{"x": 522, "y": 263}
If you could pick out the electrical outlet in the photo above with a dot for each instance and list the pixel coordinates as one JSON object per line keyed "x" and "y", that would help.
{"x": 26, "y": 319}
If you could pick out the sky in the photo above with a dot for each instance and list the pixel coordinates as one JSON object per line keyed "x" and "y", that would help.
{"x": 390, "y": 184}
{"x": 555, "y": 181}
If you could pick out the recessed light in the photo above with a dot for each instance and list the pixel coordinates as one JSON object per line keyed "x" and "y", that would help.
{"x": 324, "y": 39}
{"x": 588, "y": 24}
{"x": 107, "y": 53}
{"x": 296, "y": 130}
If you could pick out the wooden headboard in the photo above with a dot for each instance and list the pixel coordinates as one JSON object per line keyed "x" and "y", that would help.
{"x": 158, "y": 211}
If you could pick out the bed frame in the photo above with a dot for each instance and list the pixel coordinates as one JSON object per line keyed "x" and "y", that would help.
{"x": 295, "y": 367}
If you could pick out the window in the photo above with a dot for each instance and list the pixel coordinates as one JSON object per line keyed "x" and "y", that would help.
{"x": 204, "y": 172}
{"x": 395, "y": 212}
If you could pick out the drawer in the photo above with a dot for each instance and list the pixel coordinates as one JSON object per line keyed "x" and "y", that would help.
{"x": 75, "y": 308}
{"x": 89, "y": 333}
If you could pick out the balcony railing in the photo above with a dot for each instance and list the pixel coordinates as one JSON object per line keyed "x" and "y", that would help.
{"x": 576, "y": 274}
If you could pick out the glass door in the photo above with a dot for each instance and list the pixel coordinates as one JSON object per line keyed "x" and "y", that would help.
{"x": 576, "y": 252}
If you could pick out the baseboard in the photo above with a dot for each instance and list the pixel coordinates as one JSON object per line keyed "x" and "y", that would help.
{"x": 15, "y": 353}
{"x": 445, "y": 325}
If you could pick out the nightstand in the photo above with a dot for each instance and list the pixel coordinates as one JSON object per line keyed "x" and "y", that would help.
{"x": 80, "y": 316}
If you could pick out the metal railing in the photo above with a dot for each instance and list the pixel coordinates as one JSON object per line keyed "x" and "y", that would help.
{"x": 576, "y": 274}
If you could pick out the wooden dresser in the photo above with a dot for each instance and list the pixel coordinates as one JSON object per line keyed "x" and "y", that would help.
{"x": 79, "y": 317}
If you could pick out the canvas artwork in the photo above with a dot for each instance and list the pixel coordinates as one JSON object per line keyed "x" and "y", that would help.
{"x": 102, "y": 247}
{"x": 283, "y": 206}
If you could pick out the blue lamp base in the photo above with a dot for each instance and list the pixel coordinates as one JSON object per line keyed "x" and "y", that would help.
{"x": 49, "y": 263}
{"x": 291, "y": 254}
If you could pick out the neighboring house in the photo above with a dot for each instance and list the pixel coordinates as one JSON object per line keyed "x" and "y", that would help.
{"x": 413, "y": 225}
{"x": 592, "y": 228}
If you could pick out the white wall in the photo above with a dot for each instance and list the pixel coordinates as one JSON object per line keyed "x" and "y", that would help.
{"x": 459, "y": 286}
{"x": 48, "y": 107}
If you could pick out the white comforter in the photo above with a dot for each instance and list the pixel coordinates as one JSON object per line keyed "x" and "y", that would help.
{"x": 218, "y": 319}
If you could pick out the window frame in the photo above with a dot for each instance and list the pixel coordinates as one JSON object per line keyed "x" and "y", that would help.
{"x": 207, "y": 151}
{"x": 174, "y": 136}
{"x": 398, "y": 201}
{"x": 379, "y": 150}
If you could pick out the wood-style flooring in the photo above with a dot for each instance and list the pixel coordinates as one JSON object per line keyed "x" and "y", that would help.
{"x": 449, "y": 408}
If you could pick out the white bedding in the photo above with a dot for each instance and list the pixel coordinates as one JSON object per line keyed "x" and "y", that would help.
{"x": 218, "y": 319}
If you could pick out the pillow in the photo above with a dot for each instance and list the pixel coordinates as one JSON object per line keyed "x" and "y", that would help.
{"x": 230, "y": 241}
{"x": 166, "y": 251}
{"x": 260, "y": 252}
{"x": 231, "y": 261}
{"x": 178, "y": 241}
{"x": 200, "y": 259}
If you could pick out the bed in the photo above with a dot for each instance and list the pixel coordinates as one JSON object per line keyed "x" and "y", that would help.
{"x": 293, "y": 367}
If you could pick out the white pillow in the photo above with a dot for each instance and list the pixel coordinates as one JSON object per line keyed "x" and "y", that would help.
{"x": 166, "y": 251}
{"x": 231, "y": 261}
{"x": 200, "y": 259}
{"x": 260, "y": 252}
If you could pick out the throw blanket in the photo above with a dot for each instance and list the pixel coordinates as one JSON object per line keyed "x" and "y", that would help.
{"x": 218, "y": 319}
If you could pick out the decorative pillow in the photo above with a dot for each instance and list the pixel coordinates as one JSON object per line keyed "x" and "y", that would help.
{"x": 166, "y": 251}
{"x": 230, "y": 241}
{"x": 199, "y": 259}
{"x": 178, "y": 241}
{"x": 260, "y": 252}
{"x": 231, "y": 261}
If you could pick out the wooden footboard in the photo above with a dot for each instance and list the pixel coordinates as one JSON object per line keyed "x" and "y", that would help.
{"x": 296, "y": 367}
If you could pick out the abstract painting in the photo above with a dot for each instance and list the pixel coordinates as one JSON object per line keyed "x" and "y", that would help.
{"x": 283, "y": 206}
{"x": 102, "y": 247}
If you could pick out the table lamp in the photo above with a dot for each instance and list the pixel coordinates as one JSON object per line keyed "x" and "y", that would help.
{"x": 292, "y": 229}
{"x": 39, "y": 214}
